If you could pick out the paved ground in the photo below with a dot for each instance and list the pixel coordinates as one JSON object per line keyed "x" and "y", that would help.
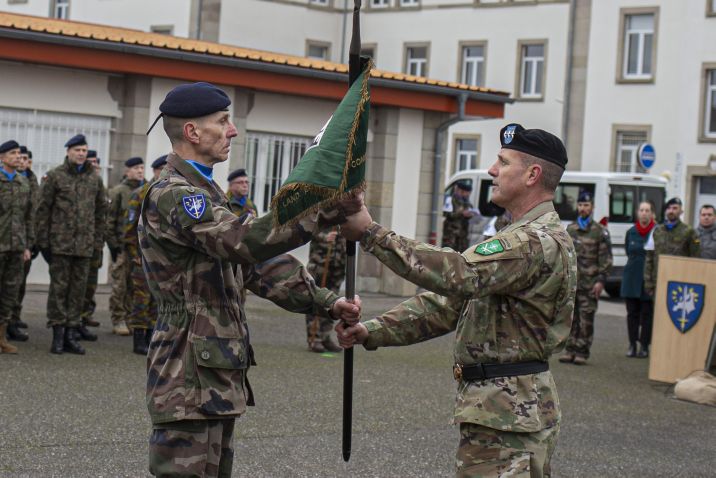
{"x": 85, "y": 416}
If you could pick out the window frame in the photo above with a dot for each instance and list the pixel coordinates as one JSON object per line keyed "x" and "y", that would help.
{"x": 388, "y": 5}
{"x": 711, "y": 8}
{"x": 54, "y": 6}
{"x": 320, "y": 44}
{"x": 625, "y": 128}
{"x": 371, "y": 46}
{"x": 521, "y": 44}
{"x": 621, "y": 77}
{"x": 406, "y": 47}
{"x": 456, "y": 140}
{"x": 412, "y": 4}
{"x": 461, "y": 59}
{"x": 320, "y": 3}
{"x": 162, "y": 29}
{"x": 706, "y": 91}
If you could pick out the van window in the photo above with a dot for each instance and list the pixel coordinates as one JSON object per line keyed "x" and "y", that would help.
{"x": 484, "y": 204}
{"x": 622, "y": 203}
{"x": 565, "y": 199}
{"x": 656, "y": 196}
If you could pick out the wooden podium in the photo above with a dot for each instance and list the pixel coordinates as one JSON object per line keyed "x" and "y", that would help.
{"x": 679, "y": 346}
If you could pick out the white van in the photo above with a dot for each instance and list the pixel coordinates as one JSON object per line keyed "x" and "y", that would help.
{"x": 616, "y": 199}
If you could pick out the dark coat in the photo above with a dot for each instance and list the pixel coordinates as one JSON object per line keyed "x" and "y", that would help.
{"x": 633, "y": 278}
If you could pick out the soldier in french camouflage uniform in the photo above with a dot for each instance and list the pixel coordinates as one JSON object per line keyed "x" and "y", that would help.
{"x": 17, "y": 233}
{"x": 198, "y": 256}
{"x": 239, "y": 201}
{"x": 594, "y": 261}
{"x": 457, "y": 212}
{"x": 16, "y": 322}
{"x": 70, "y": 228}
{"x": 143, "y": 313}
{"x": 510, "y": 301}
{"x": 707, "y": 231}
{"x": 120, "y": 268}
{"x": 327, "y": 266}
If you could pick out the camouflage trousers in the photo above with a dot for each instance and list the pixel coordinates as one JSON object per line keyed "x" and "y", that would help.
{"x": 486, "y": 452}
{"x": 17, "y": 310}
{"x": 11, "y": 274}
{"x": 192, "y": 448}
{"x": 143, "y": 312}
{"x": 68, "y": 280}
{"x": 318, "y": 328}
{"x": 89, "y": 304}
{"x": 582, "y": 333}
{"x": 119, "y": 300}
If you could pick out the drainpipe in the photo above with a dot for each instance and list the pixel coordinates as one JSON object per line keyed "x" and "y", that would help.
{"x": 200, "y": 8}
{"x": 437, "y": 165}
{"x": 343, "y": 32}
{"x": 568, "y": 80}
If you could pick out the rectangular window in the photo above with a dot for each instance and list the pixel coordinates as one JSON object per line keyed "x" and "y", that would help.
{"x": 321, "y": 3}
{"x": 61, "y": 9}
{"x": 465, "y": 154}
{"x": 409, "y": 3}
{"x": 473, "y": 65}
{"x": 379, "y": 3}
{"x": 622, "y": 203}
{"x": 319, "y": 51}
{"x": 416, "y": 60}
{"x": 163, "y": 29}
{"x": 565, "y": 199}
{"x": 627, "y": 146}
{"x": 532, "y": 71}
{"x": 711, "y": 8}
{"x": 710, "y": 105}
{"x": 638, "y": 54}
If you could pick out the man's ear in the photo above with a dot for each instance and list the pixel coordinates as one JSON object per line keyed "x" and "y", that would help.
{"x": 191, "y": 132}
{"x": 534, "y": 173}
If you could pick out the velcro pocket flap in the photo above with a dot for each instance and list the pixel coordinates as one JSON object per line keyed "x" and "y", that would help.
{"x": 218, "y": 352}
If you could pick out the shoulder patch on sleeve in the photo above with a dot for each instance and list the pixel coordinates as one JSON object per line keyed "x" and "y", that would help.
{"x": 192, "y": 206}
{"x": 505, "y": 246}
{"x": 490, "y": 247}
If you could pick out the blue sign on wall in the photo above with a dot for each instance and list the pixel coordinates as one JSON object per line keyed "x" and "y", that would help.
{"x": 647, "y": 155}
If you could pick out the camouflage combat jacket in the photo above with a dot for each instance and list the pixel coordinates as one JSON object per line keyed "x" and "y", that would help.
{"x": 681, "y": 240}
{"x": 509, "y": 299}
{"x": 71, "y": 212}
{"x": 594, "y": 254}
{"x": 239, "y": 209}
{"x": 197, "y": 256}
{"x": 118, "y": 205}
{"x": 455, "y": 225}
{"x": 322, "y": 253}
{"x": 131, "y": 219}
{"x": 34, "y": 185}
{"x": 17, "y": 213}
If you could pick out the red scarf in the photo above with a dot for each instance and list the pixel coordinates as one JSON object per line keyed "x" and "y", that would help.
{"x": 645, "y": 230}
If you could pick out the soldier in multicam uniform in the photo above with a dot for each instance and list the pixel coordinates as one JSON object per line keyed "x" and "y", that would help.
{"x": 198, "y": 256}
{"x": 119, "y": 269}
{"x": 510, "y": 301}
{"x": 327, "y": 265}
{"x": 17, "y": 233}
{"x": 594, "y": 261}
{"x": 457, "y": 212}
{"x": 239, "y": 201}
{"x": 143, "y": 313}
{"x": 70, "y": 227}
{"x": 16, "y": 322}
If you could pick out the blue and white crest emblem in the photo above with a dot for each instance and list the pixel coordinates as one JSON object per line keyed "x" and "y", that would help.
{"x": 509, "y": 133}
{"x": 194, "y": 205}
{"x": 685, "y": 302}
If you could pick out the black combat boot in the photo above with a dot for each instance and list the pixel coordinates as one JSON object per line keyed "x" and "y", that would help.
{"x": 71, "y": 344}
{"x": 139, "y": 340}
{"x": 20, "y": 324}
{"x": 58, "y": 339}
{"x": 84, "y": 334}
{"x": 148, "y": 337}
{"x": 631, "y": 352}
{"x": 13, "y": 333}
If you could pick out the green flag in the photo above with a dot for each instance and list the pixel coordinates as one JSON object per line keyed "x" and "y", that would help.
{"x": 334, "y": 164}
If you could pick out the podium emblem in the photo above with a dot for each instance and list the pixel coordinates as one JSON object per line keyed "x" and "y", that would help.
{"x": 685, "y": 302}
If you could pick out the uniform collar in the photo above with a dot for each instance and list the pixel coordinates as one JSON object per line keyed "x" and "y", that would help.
{"x": 540, "y": 210}
{"x": 195, "y": 178}
{"x": 8, "y": 176}
{"x": 73, "y": 169}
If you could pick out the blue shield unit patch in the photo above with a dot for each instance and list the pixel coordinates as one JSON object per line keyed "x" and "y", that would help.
{"x": 685, "y": 302}
{"x": 194, "y": 205}
{"x": 509, "y": 133}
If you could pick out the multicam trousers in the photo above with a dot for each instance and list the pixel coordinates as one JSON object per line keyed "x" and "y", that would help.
{"x": 68, "y": 280}
{"x": 17, "y": 309}
{"x": 486, "y": 452}
{"x": 89, "y": 304}
{"x": 119, "y": 300}
{"x": 582, "y": 333}
{"x": 196, "y": 448}
{"x": 11, "y": 274}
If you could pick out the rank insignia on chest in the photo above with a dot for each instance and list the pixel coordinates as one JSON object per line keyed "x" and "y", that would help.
{"x": 194, "y": 205}
{"x": 489, "y": 248}
{"x": 685, "y": 302}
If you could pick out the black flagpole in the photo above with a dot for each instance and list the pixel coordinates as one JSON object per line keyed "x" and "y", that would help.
{"x": 354, "y": 70}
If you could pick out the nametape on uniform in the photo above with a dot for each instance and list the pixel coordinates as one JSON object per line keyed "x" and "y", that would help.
{"x": 488, "y": 248}
{"x": 194, "y": 205}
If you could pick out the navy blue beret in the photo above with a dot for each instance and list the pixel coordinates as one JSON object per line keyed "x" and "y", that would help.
{"x": 135, "y": 161}
{"x": 76, "y": 140}
{"x": 23, "y": 149}
{"x": 159, "y": 162}
{"x": 535, "y": 142}
{"x": 585, "y": 196}
{"x": 465, "y": 185}
{"x": 238, "y": 173}
{"x": 674, "y": 201}
{"x": 194, "y": 100}
{"x": 8, "y": 146}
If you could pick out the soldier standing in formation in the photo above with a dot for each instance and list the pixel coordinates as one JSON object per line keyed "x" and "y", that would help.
{"x": 707, "y": 231}
{"x": 119, "y": 300}
{"x": 70, "y": 227}
{"x": 16, "y": 322}
{"x": 457, "y": 212}
{"x": 327, "y": 265}
{"x": 16, "y": 234}
{"x": 510, "y": 301}
{"x": 198, "y": 256}
{"x": 239, "y": 201}
{"x": 594, "y": 261}
{"x": 143, "y": 313}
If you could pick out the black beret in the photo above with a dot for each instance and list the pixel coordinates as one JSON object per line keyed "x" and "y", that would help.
{"x": 29, "y": 154}
{"x": 135, "y": 161}
{"x": 23, "y": 149}
{"x": 91, "y": 154}
{"x": 535, "y": 142}
{"x": 674, "y": 201}
{"x": 464, "y": 185}
{"x": 194, "y": 100}
{"x": 159, "y": 162}
{"x": 585, "y": 196}
{"x": 9, "y": 146}
{"x": 76, "y": 140}
{"x": 238, "y": 173}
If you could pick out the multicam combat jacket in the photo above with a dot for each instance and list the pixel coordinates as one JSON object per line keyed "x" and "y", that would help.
{"x": 197, "y": 256}
{"x": 594, "y": 254}
{"x": 17, "y": 229}
{"x": 509, "y": 299}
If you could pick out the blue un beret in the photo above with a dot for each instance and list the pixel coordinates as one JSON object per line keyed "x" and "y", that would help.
{"x": 238, "y": 173}
{"x": 76, "y": 140}
{"x": 135, "y": 161}
{"x": 159, "y": 162}
{"x": 535, "y": 142}
{"x": 9, "y": 146}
